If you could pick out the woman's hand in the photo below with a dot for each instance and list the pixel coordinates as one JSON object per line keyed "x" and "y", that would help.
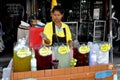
{"x": 70, "y": 42}
{"x": 46, "y": 40}
{"x": 43, "y": 36}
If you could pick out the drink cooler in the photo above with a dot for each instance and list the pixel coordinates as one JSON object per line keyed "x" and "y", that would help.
{"x": 35, "y": 42}
{"x": 21, "y": 64}
{"x": 64, "y": 59}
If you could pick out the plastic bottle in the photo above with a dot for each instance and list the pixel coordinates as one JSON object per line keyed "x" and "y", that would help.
{"x": 33, "y": 61}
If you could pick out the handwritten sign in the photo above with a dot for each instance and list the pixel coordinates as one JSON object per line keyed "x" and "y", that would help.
{"x": 105, "y": 47}
{"x": 23, "y": 53}
{"x": 44, "y": 51}
{"x": 84, "y": 49}
{"x": 63, "y": 49}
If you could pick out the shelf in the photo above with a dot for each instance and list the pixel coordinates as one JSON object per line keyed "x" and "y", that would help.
{"x": 99, "y": 26}
{"x": 99, "y": 30}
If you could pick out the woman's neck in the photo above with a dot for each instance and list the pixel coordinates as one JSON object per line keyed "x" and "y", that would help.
{"x": 58, "y": 24}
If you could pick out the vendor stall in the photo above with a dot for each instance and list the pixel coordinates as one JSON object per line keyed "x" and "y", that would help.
{"x": 55, "y": 61}
{"x": 34, "y": 60}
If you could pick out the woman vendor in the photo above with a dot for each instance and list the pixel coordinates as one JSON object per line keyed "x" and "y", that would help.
{"x": 57, "y": 32}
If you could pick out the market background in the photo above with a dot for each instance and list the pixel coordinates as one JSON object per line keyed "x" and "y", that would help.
{"x": 11, "y": 27}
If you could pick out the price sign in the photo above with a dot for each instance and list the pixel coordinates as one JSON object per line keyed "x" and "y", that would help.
{"x": 105, "y": 47}
{"x": 63, "y": 49}
{"x": 84, "y": 49}
{"x": 23, "y": 53}
{"x": 44, "y": 51}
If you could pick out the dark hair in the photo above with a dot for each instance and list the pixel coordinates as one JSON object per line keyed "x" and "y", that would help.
{"x": 58, "y": 8}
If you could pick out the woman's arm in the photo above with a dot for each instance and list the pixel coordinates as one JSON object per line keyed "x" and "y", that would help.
{"x": 46, "y": 40}
{"x": 70, "y": 43}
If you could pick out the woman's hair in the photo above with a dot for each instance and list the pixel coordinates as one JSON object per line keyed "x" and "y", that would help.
{"x": 58, "y": 8}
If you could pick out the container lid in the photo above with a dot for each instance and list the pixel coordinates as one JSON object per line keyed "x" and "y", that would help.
{"x": 103, "y": 74}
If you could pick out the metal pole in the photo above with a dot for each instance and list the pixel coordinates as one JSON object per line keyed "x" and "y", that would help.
{"x": 80, "y": 12}
{"x": 110, "y": 33}
{"x": 35, "y": 9}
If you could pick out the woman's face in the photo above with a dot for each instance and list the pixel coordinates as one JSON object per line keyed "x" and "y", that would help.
{"x": 57, "y": 16}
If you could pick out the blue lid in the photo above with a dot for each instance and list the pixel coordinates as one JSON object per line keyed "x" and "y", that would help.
{"x": 103, "y": 74}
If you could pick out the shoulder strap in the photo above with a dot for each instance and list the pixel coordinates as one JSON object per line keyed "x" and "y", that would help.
{"x": 64, "y": 31}
{"x": 53, "y": 24}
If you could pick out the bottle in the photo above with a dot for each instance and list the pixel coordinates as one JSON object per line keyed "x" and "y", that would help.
{"x": 33, "y": 61}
